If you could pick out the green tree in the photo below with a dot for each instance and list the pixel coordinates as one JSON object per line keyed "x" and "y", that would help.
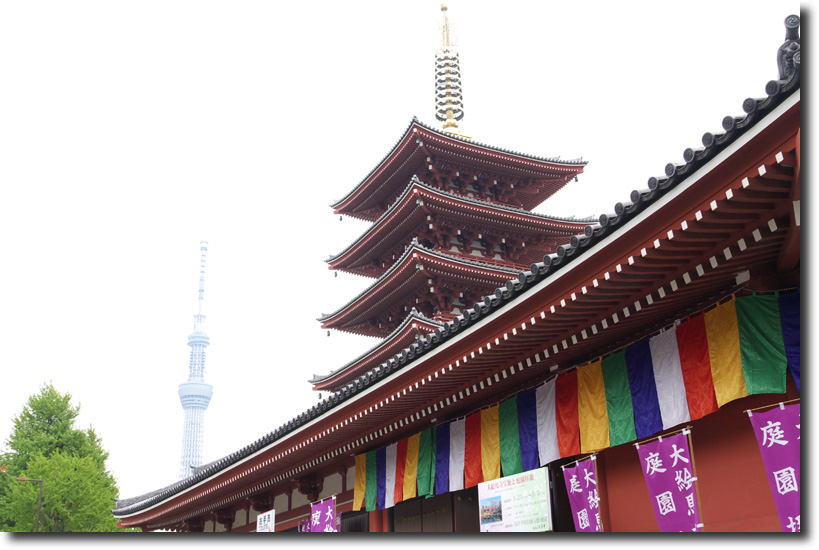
{"x": 77, "y": 496}
{"x": 79, "y": 491}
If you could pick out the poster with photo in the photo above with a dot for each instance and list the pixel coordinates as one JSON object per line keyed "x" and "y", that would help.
{"x": 518, "y": 504}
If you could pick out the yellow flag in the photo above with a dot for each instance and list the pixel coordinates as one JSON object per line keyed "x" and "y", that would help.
{"x": 490, "y": 443}
{"x": 360, "y": 481}
{"x": 723, "y": 350}
{"x": 592, "y": 409}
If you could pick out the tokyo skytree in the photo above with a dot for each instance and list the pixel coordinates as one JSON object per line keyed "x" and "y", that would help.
{"x": 195, "y": 394}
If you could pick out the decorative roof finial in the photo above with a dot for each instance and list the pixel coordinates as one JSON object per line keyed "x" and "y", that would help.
{"x": 449, "y": 102}
{"x": 788, "y": 56}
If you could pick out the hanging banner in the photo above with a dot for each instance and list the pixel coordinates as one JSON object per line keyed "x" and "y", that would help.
{"x": 581, "y": 484}
{"x": 518, "y": 503}
{"x": 303, "y": 526}
{"x": 266, "y": 522}
{"x": 323, "y": 516}
{"x": 778, "y": 433}
{"x": 667, "y": 469}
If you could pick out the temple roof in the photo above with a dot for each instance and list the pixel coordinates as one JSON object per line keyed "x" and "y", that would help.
{"x": 369, "y": 199}
{"x": 418, "y": 201}
{"x": 695, "y": 160}
{"x": 409, "y": 274}
{"x": 413, "y": 326}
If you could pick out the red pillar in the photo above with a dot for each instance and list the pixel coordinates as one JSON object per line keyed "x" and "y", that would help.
{"x": 379, "y": 522}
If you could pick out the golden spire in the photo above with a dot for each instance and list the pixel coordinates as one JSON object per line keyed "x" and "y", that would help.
{"x": 445, "y": 40}
{"x": 449, "y": 102}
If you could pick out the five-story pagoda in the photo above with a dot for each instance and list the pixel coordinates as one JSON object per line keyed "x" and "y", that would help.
{"x": 452, "y": 220}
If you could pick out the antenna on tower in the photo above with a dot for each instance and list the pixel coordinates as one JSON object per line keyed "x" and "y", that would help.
{"x": 203, "y": 249}
{"x": 449, "y": 101}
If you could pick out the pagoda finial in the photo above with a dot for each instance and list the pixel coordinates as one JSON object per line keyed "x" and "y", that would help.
{"x": 445, "y": 31}
{"x": 449, "y": 102}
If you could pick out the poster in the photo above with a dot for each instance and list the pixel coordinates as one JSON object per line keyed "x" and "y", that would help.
{"x": 519, "y": 503}
{"x": 266, "y": 522}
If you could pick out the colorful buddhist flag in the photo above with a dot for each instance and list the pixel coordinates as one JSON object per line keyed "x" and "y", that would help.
{"x": 644, "y": 400}
{"x": 723, "y": 350}
{"x": 490, "y": 444}
{"x": 411, "y": 468}
{"x": 509, "y": 432}
{"x": 668, "y": 378}
{"x": 371, "y": 494}
{"x": 790, "y": 313}
{"x": 442, "y": 459}
{"x": 389, "y": 496}
{"x": 360, "y": 487}
{"x": 381, "y": 477}
{"x": 618, "y": 399}
{"x": 695, "y": 363}
{"x": 400, "y": 469}
{"x": 547, "y": 446}
{"x": 566, "y": 419}
{"x": 593, "y": 417}
{"x": 426, "y": 463}
{"x": 473, "y": 473}
{"x": 457, "y": 441}
{"x": 527, "y": 429}
{"x": 762, "y": 349}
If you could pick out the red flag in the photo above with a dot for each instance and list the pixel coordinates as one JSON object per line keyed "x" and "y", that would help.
{"x": 473, "y": 470}
{"x": 400, "y": 463}
{"x": 567, "y": 416}
{"x": 692, "y": 341}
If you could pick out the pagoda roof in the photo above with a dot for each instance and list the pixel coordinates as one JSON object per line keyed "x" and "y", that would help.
{"x": 410, "y": 273}
{"x": 414, "y": 326}
{"x": 369, "y": 199}
{"x": 419, "y": 200}
{"x": 162, "y": 506}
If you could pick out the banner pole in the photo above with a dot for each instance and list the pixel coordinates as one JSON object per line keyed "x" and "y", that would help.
{"x": 694, "y": 474}
{"x": 599, "y": 511}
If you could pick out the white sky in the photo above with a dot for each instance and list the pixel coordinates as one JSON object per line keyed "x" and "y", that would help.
{"x": 130, "y": 131}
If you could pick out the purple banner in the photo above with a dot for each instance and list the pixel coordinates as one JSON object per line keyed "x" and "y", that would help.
{"x": 581, "y": 484}
{"x": 323, "y": 516}
{"x": 667, "y": 469}
{"x": 778, "y": 433}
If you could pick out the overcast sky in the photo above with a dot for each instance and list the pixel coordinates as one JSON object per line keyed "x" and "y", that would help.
{"x": 130, "y": 131}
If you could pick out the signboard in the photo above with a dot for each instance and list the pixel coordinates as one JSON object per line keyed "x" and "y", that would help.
{"x": 266, "y": 522}
{"x": 519, "y": 503}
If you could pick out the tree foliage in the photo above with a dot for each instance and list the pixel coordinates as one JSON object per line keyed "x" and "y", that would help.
{"x": 78, "y": 491}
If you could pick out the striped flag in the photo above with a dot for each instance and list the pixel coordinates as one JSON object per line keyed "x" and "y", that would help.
{"x": 744, "y": 346}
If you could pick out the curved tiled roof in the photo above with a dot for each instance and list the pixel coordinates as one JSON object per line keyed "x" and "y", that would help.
{"x": 414, "y": 315}
{"x": 415, "y": 121}
{"x": 712, "y": 144}
{"x": 470, "y": 200}
{"x": 415, "y": 246}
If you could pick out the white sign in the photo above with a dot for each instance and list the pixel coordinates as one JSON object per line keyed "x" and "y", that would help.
{"x": 266, "y": 522}
{"x": 519, "y": 503}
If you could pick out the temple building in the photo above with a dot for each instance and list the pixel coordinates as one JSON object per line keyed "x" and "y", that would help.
{"x": 483, "y": 308}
